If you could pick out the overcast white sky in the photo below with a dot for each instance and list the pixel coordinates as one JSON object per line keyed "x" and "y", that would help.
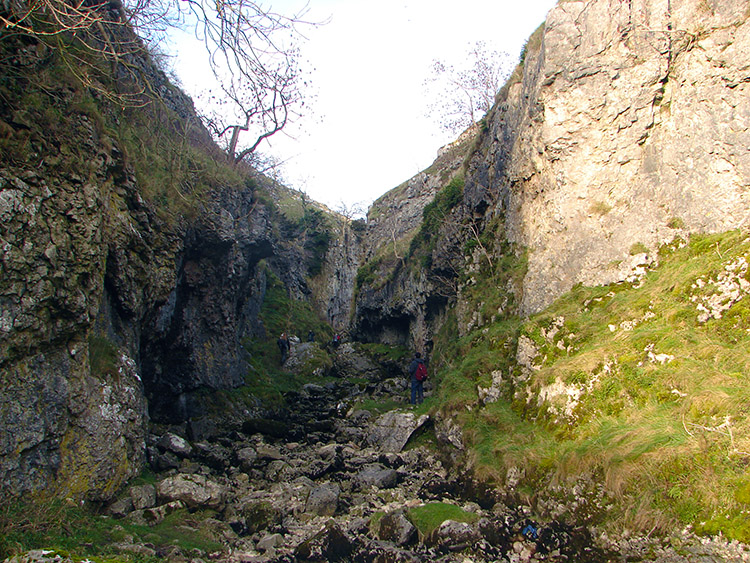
{"x": 369, "y": 132}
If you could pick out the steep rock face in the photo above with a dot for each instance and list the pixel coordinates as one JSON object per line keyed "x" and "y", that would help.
{"x": 629, "y": 128}
{"x": 626, "y": 126}
{"x": 395, "y": 216}
{"x": 191, "y": 340}
{"x": 105, "y": 300}
{"x": 398, "y": 300}
{"x": 333, "y": 288}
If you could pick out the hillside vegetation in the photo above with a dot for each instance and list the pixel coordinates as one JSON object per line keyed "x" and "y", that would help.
{"x": 637, "y": 392}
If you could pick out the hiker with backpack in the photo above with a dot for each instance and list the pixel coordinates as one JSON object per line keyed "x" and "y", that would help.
{"x": 418, "y": 374}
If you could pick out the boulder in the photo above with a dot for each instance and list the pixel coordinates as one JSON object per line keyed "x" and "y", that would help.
{"x": 121, "y": 507}
{"x": 308, "y": 358}
{"x": 391, "y": 431}
{"x": 376, "y": 475}
{"x": 156, "y": 515}
{"x": 323, "y": 499}
{"x": 214, "y": 455}
{"x": 350, "y": 361}
{"x": 246, "y": 458}
{"x": 196, "y": 491}
{"x": 175, "y": 444}
{"x": 454, "y": 535}
{"x": 270, "y": 542}
{"x": 259, "y": 516}
{"x": 395, "y": 527}
{"x": 330, "y": 544}
{"x": 143, "y": 496}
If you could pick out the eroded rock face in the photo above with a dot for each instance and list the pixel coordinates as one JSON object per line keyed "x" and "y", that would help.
{"x": 104, "y": 302}
{"x": 391, "y": 431}
{"x": 628, "y": 128}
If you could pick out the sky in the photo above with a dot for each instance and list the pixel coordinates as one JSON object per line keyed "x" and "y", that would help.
{"x": 368, "y": 131}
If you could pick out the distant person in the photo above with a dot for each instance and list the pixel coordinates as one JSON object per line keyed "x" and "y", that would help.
{"x": 311, "y": 336}
{"x": 417, "y": 374}
{"x": 336, "y": 340}
{"x": 283, "y": 343}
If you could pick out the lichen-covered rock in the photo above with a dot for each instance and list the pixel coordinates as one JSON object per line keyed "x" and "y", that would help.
{"x": 454, "y": 535}
{"x": 395, "y": 527}
{"x": 194, "y": 490}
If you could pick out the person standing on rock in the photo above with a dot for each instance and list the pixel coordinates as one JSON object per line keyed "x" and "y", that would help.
{"x": 283, "y": 343}
{"x": 417, "y": 373}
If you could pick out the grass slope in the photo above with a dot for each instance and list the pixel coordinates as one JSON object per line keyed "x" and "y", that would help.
{"x": 642, "y": 387}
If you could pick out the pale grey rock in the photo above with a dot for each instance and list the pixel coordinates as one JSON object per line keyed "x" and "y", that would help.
{"x": 448, "y": 432}
{"x": 395, "y": 527}
{"x": 121, "y": 507}
{"x": 350, "y": 361}
{"x": 175, "y": 444}
{"x": 194, "y": 490}
{"x": 454, "y": 534}
{"x": 246, "y": 458}
{"x": 143, "y": 496}
{"x": 390, "y": 431}
{"x": 270, "y": 542}
{"x": 276, "y": 470}
{"x": 155, "y": 515}
{"x": 608, "y": 141}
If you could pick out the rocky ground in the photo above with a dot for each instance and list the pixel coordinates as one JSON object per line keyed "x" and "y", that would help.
{"x": 326, "y": 481}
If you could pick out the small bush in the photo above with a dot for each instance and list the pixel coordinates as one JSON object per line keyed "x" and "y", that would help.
{"x": 600, "y": 208}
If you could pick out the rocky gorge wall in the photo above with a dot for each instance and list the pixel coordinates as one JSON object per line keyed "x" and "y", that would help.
{"x": 121, "y": 299}
{"x": 629, "y": 128}
{"x": 625, "y": 127}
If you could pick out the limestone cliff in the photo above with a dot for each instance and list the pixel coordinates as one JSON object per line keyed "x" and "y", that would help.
{"x": 133, "y": 265}
{"x": 398, "y": 299}
{"x": 128, "y": 272}
{"x": 626, "y": 126}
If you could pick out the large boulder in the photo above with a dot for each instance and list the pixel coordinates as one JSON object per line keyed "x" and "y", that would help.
{"x": 308, "y": 358}
{"x": 196, "y": 491}
{"x": 376, "y": 475}
{"x": 395, "y": 527}
{"x": 454, "y": 535}
{"x": 330, "y": 544}
{"x": 391, "y": 431}
{"x": 323, "y": 500}
{"x": 350, "y": 361}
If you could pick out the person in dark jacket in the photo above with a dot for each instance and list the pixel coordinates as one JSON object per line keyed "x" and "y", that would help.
{"x": 283, "y": 343}
{"x": 417, "y": 390}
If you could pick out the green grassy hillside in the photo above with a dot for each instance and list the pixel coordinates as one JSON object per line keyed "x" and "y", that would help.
{"x": 638, "y": 389}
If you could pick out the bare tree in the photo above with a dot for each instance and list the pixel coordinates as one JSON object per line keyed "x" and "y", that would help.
{"x": 464, "y": 95}
{"x": 251, "y": 50}
{"x": 255, "y": 59}
{"x": 357, "y": 210}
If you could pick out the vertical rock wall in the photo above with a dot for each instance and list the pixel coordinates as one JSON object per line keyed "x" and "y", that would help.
{"x": 630, "y": 127}
{"x": 106, "y": 299}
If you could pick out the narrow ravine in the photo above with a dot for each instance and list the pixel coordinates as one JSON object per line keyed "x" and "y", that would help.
{"x": 325, "y": 480}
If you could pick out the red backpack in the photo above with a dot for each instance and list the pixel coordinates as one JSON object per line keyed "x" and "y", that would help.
{"x": 421, "y": 374}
